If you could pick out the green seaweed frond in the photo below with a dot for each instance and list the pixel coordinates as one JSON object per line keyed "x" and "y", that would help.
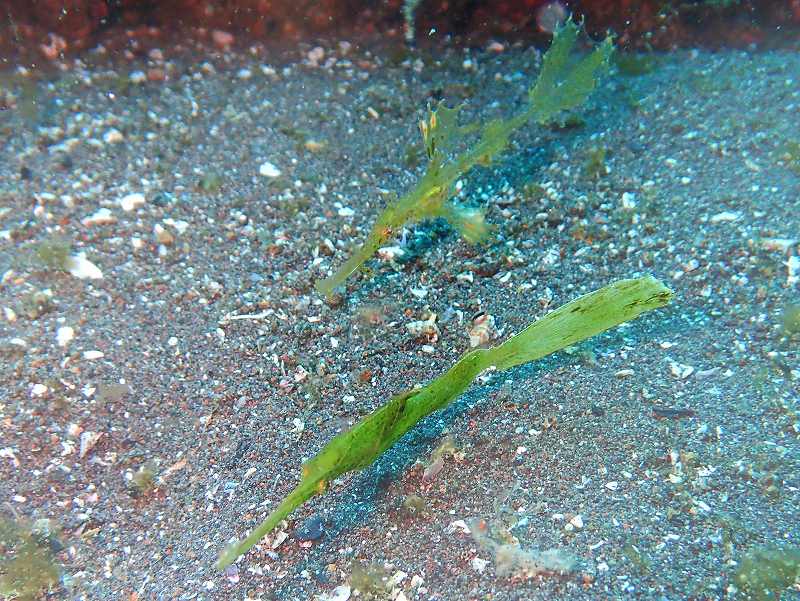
{"x": 54, "y": 252}
{"x": 361, "y": 445}
{"x": 764, "y": 573}
{"x": 28, "y": 566}
{"x": 559, "y": 87}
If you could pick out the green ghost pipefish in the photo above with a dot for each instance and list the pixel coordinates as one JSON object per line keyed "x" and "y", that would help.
{"x": 362, "y": 444}
{"x": 562, "y": 85}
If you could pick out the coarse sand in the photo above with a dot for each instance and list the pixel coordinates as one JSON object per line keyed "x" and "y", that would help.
{"x": 157, "y": 412}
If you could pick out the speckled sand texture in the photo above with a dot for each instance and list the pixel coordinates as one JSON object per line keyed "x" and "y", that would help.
{"x": 160, "y": 410}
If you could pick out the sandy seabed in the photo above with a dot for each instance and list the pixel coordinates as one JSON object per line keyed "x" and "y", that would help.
{"x": 157, "y": 412}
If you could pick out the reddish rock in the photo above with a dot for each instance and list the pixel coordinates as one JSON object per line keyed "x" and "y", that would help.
{"x": 156, "y": 74}
{"x": 660, "y": 23}
{"x": 222, "y": 39}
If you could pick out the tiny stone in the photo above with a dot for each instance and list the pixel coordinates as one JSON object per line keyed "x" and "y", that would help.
{"x": 132, "y": 202}
{"x": 222, "y": 39}
{"x": 64, "y": 335}
{"x": 82, "y": 268}
{"x": 267, "y": 169}
{"x": 113, "y": 136}
{"x": 312, "y": 529}
{"x": 724, "y": 217}
{"x": 478, "y": 564}
{"x": 100, "y": 217}
{"x": 628, "y": 201}
{"x": 779, "y": 244}
{"x": 163, "y": 235}
{"x": 232, "y": 574}
{"x": 315, "y": 55}
{"x": 39, "y": 390}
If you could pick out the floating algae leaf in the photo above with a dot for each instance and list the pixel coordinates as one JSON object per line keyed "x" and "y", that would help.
{"x": 636, "y": 557}
{"x": 791, "y": 155}
{"x": 595, "y": 165}
{"x": 361, "y": 445}
{"x": 54, "y": 252}
{"x": 370, "y": 579}
{"x": 210, "y": 182}
{"x": 764, "y": 573}
{"x": 560, "y": 87}
{"x": 143, "y": 480}
{"x": 28, "y": 564}
{"x": 791, "y": 321}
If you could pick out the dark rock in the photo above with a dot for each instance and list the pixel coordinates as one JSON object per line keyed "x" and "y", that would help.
{"x": 312, "y": 529}
{"x": 162, "y": 199}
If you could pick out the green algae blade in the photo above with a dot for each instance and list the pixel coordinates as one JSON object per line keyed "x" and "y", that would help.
{"x": 367, "y": 440}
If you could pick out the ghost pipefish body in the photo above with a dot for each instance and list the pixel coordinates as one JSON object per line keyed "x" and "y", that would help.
{"x": 367, "y": 440}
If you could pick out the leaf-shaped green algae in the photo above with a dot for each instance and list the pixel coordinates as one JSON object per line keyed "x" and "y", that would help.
{"x": 359, "y": 446}
{"x": 557, "y": 88}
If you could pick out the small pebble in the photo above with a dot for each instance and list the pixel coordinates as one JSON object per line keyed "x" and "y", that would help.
{"x": 64, "y": 335}
{"x": 82, "y": 268}
{"x": 315, "y": 55}
{"x": 100, "y": 217}
{"x": 577, "y": 522}
{"x": 312, "y": 529}
{"x": 724, "y": 216}
{"x": 131, "y": 202}
{"x": 479, "y": 565}
{"x": 340, "y": 593}
{"x": 113, "y": 136}
{"x": 39, "y": 390}
{"x": 628, "y": 201}
{"x": 681, "y": 371}
{"x": 232, "y": 573}
{"x": 163, "y": 235}
{"x": 222, "y": 39}
{"x": 267, "y": 169}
